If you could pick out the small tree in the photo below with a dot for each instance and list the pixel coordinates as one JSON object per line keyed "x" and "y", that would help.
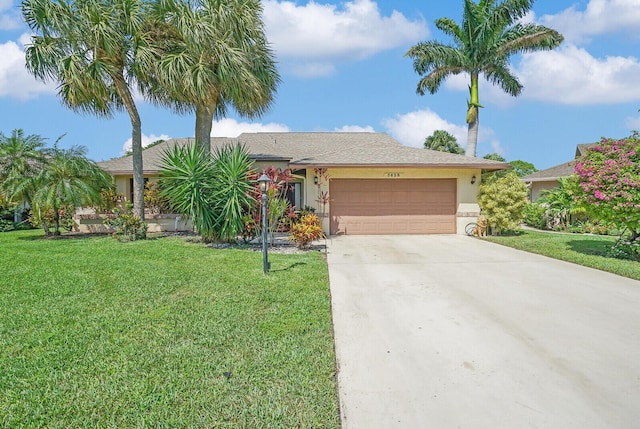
{"x": 522, "y": 168}
{"x": 560, "y": 203}
{"x": 610, "y": 181}
{"x": 443, "y": 141}
{"x": 495, "y": 157}
{"x": 68, "y": 180}
{"x": 503, "y": 201}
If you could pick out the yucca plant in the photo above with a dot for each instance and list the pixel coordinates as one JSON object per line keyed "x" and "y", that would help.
{"x": 214, "y": 192}
{"x": 232, "y": 184}
{"x": 187, "y": 182}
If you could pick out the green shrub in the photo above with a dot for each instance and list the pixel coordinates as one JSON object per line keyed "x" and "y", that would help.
{"x": 128, "y": 226}
{"x": 306, "y": 230}
{"x": 154, "y": 201}
{"x": 6, "y": 225}
{"x": 535, "y": 216}
{"x": 503, "y": 201}
{"x": 625, "y": 249}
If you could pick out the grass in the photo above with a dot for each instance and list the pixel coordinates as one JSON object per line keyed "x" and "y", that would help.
{"x": 587, "y": 250}
{"x": 162, "y": 333}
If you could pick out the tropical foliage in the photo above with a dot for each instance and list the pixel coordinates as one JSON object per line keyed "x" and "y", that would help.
{"x": 490, "y": 33}
{"x": 306, "y": 230}
{"x": 126, "y": 224}
{"x": 443, "y": 141}
{"x": 214, "y": 193}
{"x": 232, "y": 196}
{"x": 21, "y": 157}
{"x": 503, "y": 201}
{"x": 186, "y": 181}
{"x": 609, "y": 177}
{"x": 212, "y": 55}
{"x": 560, "y": 203}
{"x": 68, "y": 180}
{"x": 92, "y": 49}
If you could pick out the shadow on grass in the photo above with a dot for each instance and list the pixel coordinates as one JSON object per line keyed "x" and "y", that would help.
{"x": 589, "y": 247}
{"x": 295, "y": 264}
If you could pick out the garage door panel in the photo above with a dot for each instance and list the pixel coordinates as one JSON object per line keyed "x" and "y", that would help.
{"x": 398, "y": 206}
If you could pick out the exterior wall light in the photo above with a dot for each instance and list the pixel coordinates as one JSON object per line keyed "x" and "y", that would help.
{"x": 263, "y": 184}
{"x": 473, "y": 179}
{"x": 315, "y": 180}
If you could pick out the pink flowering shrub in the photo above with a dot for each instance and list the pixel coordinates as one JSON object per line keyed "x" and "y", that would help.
{"x": 610, "y": 180}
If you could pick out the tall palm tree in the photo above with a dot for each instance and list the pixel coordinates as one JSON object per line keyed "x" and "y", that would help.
{"x": 213, "y": 55}
{"x": 93, "y": 49}
{"x": 69, "y": 179}
{"x": 21, "y": 156}
{"x": 489, "y": 35}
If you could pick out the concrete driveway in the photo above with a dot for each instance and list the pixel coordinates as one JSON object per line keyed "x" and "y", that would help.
{"x": 454, "y": 332}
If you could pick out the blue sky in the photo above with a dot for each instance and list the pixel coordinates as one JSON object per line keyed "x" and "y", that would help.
{"x": 343, "y": 69}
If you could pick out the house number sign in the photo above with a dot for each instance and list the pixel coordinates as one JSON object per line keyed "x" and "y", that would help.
{"x": 390, "y": 174}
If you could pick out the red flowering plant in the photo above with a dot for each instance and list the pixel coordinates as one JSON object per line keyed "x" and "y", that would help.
{"x": 278, "y": 207}
{"x": 610, "y": 181}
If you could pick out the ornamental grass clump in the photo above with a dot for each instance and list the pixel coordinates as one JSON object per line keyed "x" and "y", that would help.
{"x": 306, "y": 230}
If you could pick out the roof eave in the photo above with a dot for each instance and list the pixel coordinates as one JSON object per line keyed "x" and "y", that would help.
{"x": 491, "y": 167}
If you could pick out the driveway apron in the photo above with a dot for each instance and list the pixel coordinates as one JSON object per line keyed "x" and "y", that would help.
{"x": 448, "y": 331}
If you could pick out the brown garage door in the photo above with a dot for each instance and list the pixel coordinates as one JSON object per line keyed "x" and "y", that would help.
{"x": 393, "y": 206}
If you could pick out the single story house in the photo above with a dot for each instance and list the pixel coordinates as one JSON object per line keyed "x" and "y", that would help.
{"x": 548, "y": 179}
{"x": 374, "y": 184}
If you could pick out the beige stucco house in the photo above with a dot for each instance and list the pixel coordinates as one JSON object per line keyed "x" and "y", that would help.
{"x": 548, "y": 179}
{"x": 374, "y": 184}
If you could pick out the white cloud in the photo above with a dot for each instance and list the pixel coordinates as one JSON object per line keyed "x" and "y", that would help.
{"x": 9, "y": 22}
{"x": 15, "y": 81}
{"x": 573, "y": 76}
{"x": 146, "y": 141}
{"x": 599, "y": 17}
{"x": 355, "y": 129}
{"x": 231, "y": 128}
{"x": 633, "y": 123}
{"x": 322, "y": 34}
{"x": 567, "y": 75}
{"x": 411, "y": 129}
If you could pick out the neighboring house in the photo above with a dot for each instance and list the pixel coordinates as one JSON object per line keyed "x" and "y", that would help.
{"x": 375, "y": 185}
{"x": 548, "y": 179}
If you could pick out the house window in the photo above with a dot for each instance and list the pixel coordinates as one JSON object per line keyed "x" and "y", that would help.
{"x": 294, "y": 195}
{"x": 146, "y": 179}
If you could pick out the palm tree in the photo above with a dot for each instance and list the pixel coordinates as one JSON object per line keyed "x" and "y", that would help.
{"x": 21, "y": 156}
{"x": 213, "y": 54}
{"x": 93, "y": 49}
{"x": 69, "y": 179}
{"x": 489, "y": 35}
{"x": 443, "y": 141}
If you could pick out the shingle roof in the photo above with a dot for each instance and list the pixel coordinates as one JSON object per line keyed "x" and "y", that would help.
{"x": 581, "y": 149}
{"x": 319, "y": 150}
{"x": 562, "y": 170}
{"x": 553, "y": 173}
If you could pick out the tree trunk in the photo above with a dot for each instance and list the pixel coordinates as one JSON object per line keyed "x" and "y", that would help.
{"x": 473, "y": 116}
{"x": 204, "y": 122}
{"x": 136, "y": 144}
{"x": 472, "y": 138}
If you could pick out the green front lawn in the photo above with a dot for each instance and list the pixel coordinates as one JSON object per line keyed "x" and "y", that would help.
{"x": 162, "y": 333}
{"x": 587, "y": 250}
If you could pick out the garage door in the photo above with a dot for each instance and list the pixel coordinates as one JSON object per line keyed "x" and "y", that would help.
{"x": 393, "y": 206}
